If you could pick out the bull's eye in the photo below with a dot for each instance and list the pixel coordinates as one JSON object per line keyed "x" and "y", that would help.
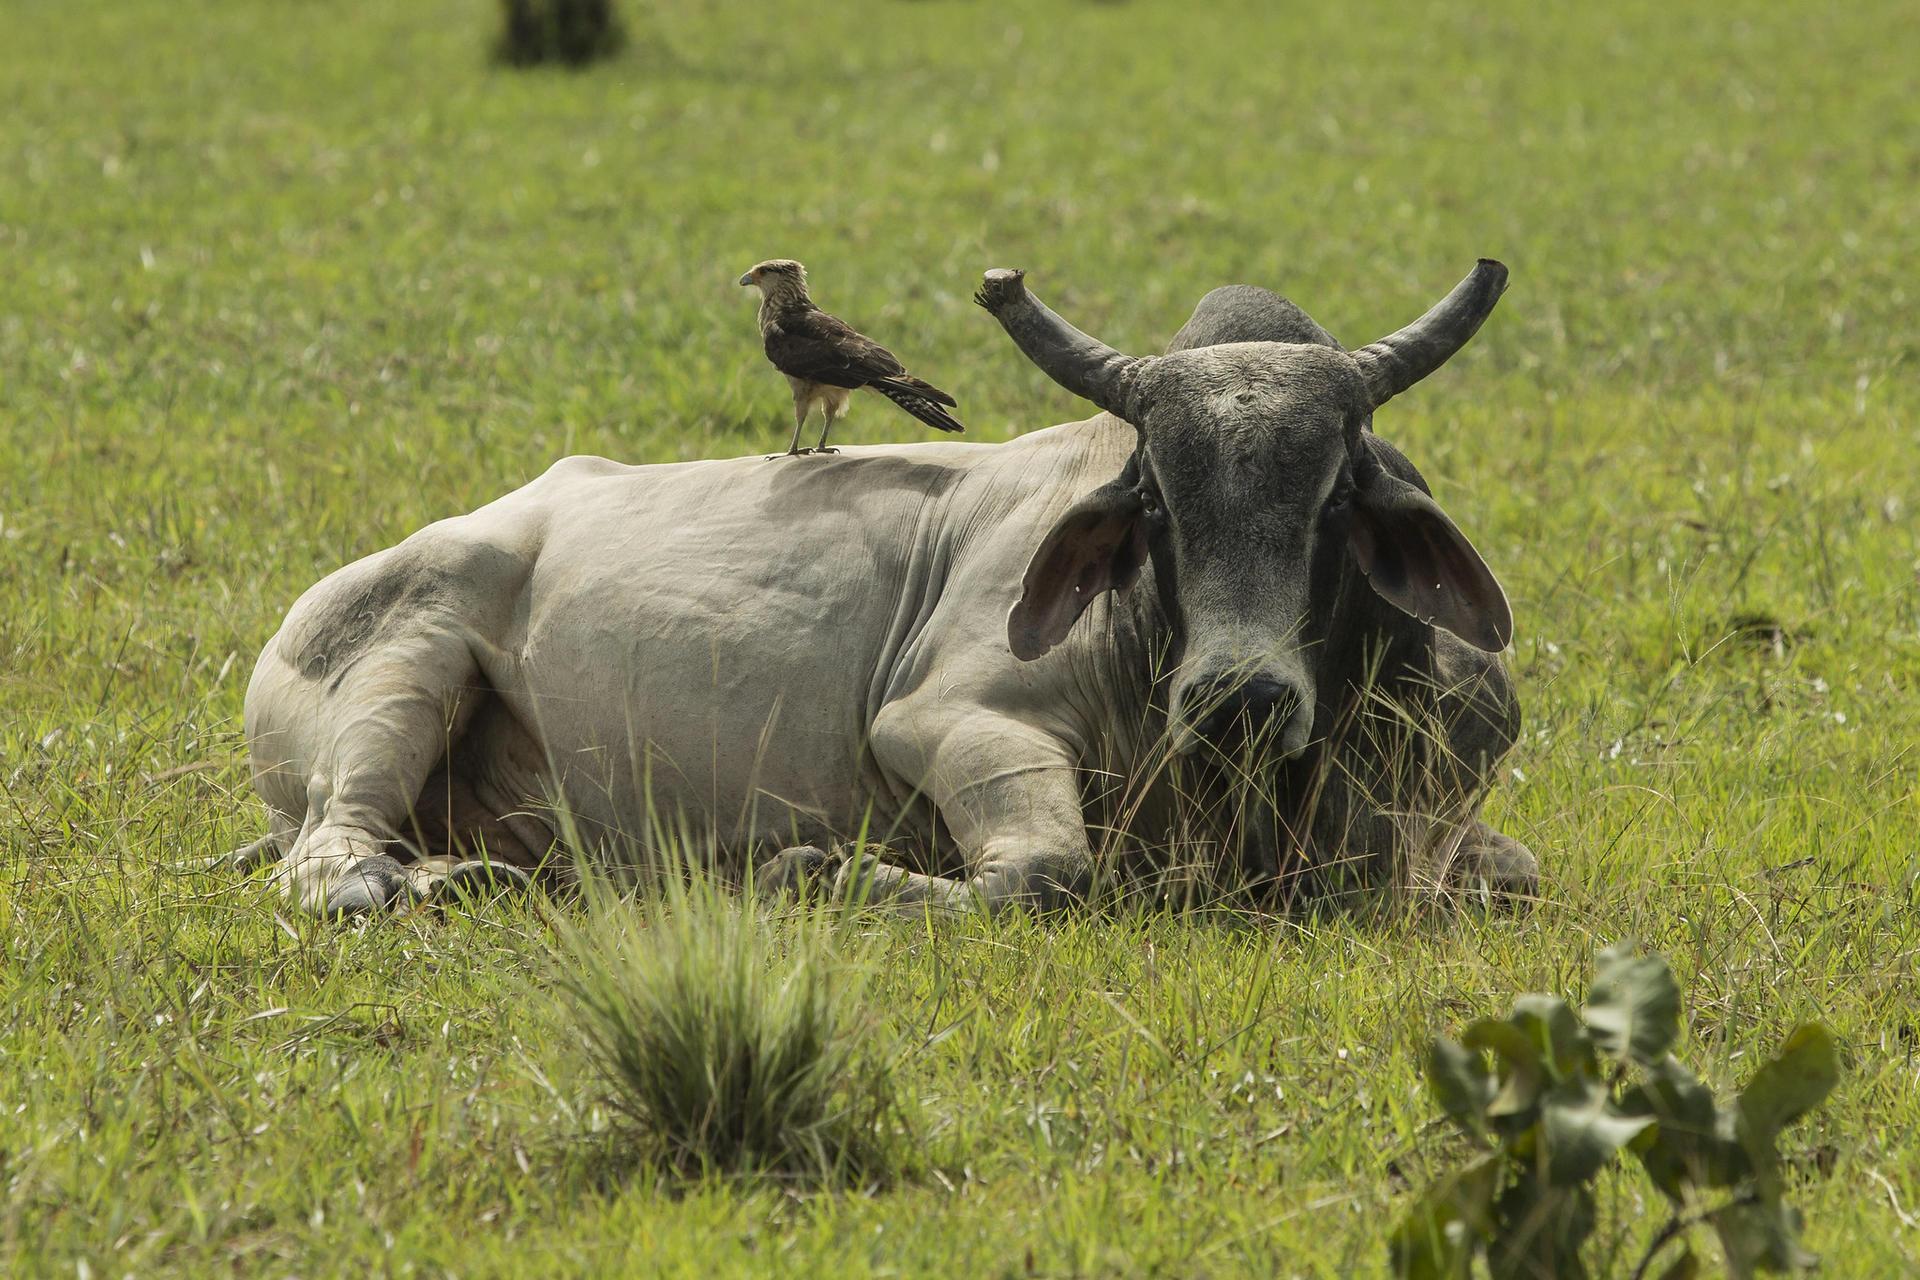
{"x": 1338, "y": 500}
{"x": 1149, "y": 502}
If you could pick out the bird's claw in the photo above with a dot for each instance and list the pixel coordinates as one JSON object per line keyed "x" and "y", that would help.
{"x": 791, "y": 453}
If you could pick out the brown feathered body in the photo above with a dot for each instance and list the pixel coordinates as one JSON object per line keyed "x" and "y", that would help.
{"x": 826, "y": 360}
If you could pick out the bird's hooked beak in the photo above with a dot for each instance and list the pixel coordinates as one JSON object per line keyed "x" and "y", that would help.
{"x": 746, "y": 279}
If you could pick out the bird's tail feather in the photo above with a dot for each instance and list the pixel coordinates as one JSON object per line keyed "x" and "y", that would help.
{"x": 914, "y": 386}
{"x": 919, "y": 406}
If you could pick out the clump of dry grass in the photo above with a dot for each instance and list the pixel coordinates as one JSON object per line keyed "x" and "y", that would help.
{"x": 735, "y": 1038}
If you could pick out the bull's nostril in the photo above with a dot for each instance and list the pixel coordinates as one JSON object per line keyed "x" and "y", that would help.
{"x": 1261, "y": 697}
{"x": 1226, "y": 709}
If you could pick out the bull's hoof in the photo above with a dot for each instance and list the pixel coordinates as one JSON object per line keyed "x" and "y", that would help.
{"x": 791, "y": 873}
{"x": 369, "y": 885}
{"x": 1499, "y": 869}
{"x": 480, "y": 881}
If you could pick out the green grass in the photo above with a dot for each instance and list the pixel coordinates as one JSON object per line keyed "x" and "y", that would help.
{"x": 281, "y": 282}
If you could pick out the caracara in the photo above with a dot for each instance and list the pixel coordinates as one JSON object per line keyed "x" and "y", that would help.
{"x": 826, "y": 360}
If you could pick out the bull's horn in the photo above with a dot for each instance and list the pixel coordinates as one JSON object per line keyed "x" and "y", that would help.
{"x": 1085, "y": 366}
{"x": 1401, "y": 359}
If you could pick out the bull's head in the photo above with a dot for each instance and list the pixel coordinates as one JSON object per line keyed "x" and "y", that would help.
{"x": 1252, "y": 479}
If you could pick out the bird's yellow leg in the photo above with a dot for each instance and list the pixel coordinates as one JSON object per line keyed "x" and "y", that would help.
{"x": 800, "y": 407}
{"x": 828, "y": 418}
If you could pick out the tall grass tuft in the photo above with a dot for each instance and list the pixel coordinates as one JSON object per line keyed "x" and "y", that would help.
{"x": 736, "y": 1038}
{"x": 572, "y": 32}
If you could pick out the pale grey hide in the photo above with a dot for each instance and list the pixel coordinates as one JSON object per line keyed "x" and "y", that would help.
{"x": 792, "y": 652}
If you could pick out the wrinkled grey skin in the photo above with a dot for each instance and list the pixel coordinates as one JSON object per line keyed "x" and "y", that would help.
{"x": 968, "y": 651}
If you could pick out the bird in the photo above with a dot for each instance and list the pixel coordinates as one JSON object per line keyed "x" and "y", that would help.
{"x": 826, "y": 360}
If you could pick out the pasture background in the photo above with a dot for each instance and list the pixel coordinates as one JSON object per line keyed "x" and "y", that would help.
{"x": 280, "y": 282}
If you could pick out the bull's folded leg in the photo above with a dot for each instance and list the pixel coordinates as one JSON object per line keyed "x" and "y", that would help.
{"x": 1008, "y": 792}
{"x": 347, "y": 868}
{"x": 360, "y": 746}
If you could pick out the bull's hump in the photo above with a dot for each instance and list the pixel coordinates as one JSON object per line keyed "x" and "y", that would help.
{"x": 584, "y": 466}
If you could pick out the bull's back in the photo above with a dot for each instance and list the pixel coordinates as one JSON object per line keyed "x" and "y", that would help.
{"x": 713, "y": 636}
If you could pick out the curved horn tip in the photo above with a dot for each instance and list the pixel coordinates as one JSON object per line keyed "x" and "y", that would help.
{"x": 1407, "y": 355}
{"x": 1001, "y": 286}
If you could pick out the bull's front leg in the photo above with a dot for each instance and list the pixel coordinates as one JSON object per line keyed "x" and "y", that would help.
{"x": 1009, "y": 794}
{"x": 1479, "y": 720}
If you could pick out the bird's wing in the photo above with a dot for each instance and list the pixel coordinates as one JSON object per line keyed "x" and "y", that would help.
{"x": 817, "y": 347}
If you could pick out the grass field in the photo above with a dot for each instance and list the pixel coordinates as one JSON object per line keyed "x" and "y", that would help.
{"x": 281, "y": 282}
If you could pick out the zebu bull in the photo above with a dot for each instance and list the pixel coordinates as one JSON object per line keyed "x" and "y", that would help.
{"x": 974, "y": 651}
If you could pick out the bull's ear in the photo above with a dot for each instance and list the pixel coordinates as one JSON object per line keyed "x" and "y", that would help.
{"x": 1420, "y": 562}
{"x": 1099, "y": 545}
